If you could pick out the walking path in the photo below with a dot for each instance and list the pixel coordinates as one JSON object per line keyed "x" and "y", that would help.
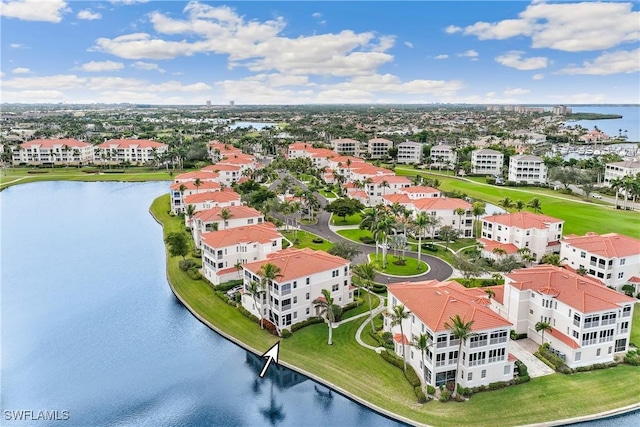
{"x": 379, "y": 309}
{"x": 523, "y": 350}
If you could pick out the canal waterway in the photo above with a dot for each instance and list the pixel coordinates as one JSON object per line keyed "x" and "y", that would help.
{"x": 90, "y": 326}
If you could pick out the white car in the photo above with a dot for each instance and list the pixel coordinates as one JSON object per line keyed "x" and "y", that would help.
{"x": 596, "y": 196}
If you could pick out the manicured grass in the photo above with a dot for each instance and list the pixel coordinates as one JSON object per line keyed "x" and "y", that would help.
{"x": 354, "y": 219}
{"x": 17, "y": 176}
{"x": 635, "y": 326}
{"x": 306, "y": 240}
{"x": 328, "y": 194}
{"x": 365, "y": 374}
{"x": 579, "y": 217}
{"x": 363, "y": 307}
{"x": 410, "y": 269}
{"x": 355, "y": 234}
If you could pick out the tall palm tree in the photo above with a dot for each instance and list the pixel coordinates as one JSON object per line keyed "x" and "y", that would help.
{"x": 397, "y": 315}
{"x": 325, "y": 303}
{"x": 256, "y": 289}
{"x": 238, "y": 266}
{"x": 366, "y": 273}
{"x": 461, "y": 331}
{"x": 616, "y": 184}
{"x": 542, "y": 327}
{"x": 421, "y": 342}
{"x": 506, "y": 203}
{"x": 421, "y": 222}
{"x": 384, "y": 184}
{"x": 197, "y": 183}
{"x": 269, "y": 273}
{"x": 535, "y": 205}
{"x": 225, "y": 214}
{"x": 477, "y": 209}
{"x": 384, "y": 227}
{"x": 519, "y": 205}
{"x": 190, "y": 211}
{"x": 460, "y": 212}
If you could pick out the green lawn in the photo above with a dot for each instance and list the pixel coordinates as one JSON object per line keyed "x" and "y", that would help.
{"x": 635, "y": 326}
{"x": 354, "y": 219}
{"x": 328, "y": 194}
{"x": 363, "y": 372}
{"x": 355, "y": 234}
{"x": 306, "y": 240}
{"x": 410, "y": 269}
{"x": 364, "y": 307}
{"x": 16, "y": 176}
{"x": 580, "y": 217}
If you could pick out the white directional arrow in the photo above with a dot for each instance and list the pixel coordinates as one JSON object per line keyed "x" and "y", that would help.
{"x": 271, "y": 354}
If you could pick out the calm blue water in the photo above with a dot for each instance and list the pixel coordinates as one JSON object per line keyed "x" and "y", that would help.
{"x": 90, "y": 326}
{"x": 630, "y": 120}
{"x": 255, "y": 125}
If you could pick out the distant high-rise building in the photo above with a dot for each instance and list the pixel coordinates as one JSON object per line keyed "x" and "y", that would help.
{"x": 208, "y": 103}
{"x": 561, "y": 110}
{"x": 232, "y": 103}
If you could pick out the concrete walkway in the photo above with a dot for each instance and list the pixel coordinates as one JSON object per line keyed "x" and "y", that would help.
{"x": 523, "y": 350}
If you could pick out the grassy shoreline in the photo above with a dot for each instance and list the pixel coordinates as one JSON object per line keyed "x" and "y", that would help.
{"x": 365, "y": 377}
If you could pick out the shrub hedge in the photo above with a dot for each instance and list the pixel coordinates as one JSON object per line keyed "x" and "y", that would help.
{"x": 228, "y": 285}
{"x": 309, "y": 321}
{"x": 420, "y": 395}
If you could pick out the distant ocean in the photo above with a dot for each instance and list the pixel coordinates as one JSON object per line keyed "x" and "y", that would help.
{"x": 629, "y": 122}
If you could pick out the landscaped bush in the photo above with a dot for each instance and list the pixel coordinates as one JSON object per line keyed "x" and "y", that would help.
{"x": 194, "y": 274}
{"x": 350, "y": 306}
{"x": 37, "y": 171}
{"x": 522, "y": 369}
{"x": 516, "y": 337}
{"x": 270, "y": 327}
{"x": 491, "y": 181}
{"x": 196, "y": 253}
{"x": 248, "y": 314}
{"x": 186, "y": 264}
{"x": 387, "y": 339}
{"x": 378, "y": 288}
{"x": 420, "y": 394}
{"x": 632, "y": 357}
{"x": 547, "y": 354}
{"x": 393, "y": 359}
{"x": 431, "y": 390}
{"x": 377, "y": 338}
{"x": 378, "y": 322}
{"x": 228, "y": 285}
{"x": 445, "y": 395}
{"x": 285, "y": 333}
{"x": 367, "y": 240}
{"x": 309, "y": 321}
{"x": 317, "y": 240}
{"x": 464, "y": 391}
{"x": 113, "y": 171}
{"x": 412, "y": 377}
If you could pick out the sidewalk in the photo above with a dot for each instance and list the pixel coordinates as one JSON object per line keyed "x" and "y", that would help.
{"x": 522, "y": 349}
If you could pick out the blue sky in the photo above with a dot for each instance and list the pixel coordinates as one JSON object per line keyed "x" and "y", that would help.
{"x": 174, "y": 52}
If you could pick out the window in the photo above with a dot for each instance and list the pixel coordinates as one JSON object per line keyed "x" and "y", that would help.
{"x": 507, "y": 369}
{"x": 470, "y": 376}
{"x": 575, "y": 334}
{"x": 576, "y": 319}
{"x": 578, "y": 356}
{"x": 442, "y": 341}
{"x": 626, "y": 311}
{"x": 479, "y": 340}
{"x": 307, "y": 311}
{"x": 498, "y": 337}
{"x": 441, "y": 359}
{"x": 598, "y": 353}
{"x": 453, "y": 356}
{"x": 589, "y": 338}
{"x": 583, "y": 254}
{"x": 477, "y": 358}
{"x": 606, "y": 336}
{"x": 335, "y": 288}
{"x": 308, "y": 280}
{"x": 591, "y": 321}
{"x": 295, "y": 300}
{"x": 335, "y": 273}
{"x": 624, "y": 327}
{"x": 622, "y": 261}
{"x": 307, "y": 297}
{"x": 496, "y": 355}
{"x": 531, "y": 311}
{"x": 483, "y": 374}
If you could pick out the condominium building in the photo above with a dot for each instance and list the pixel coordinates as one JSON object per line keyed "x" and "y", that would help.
{"x": 410, "y": 152}
{"x": 443, "y": 156}
{"x": 487, "y": 162}
{"x": 53, "y": 151}
{"x": 180, "y": 190}
{"x": 484, "y": 357}
{"x": 527, "y": 169}
{"x": 420, "y": 192}
{"x": 135, "y": 151}
{"x": 619, "y": 170}
{"x": 304, "y": 273}
{"x": 589, "y": 323}
{"x": 445, "y": 211}
{"x": 510, "y": 232}
{"x": 346, "y": 146}
{"x": 229, "y": 174}
{"x": 224, "y": 250}
{"x": 379, "y": 186}
{"x": 612, "y": 258}
{"x": 222, "y": 199}
{"x": 379, "y": 147}
{"x": 212, "y": 220}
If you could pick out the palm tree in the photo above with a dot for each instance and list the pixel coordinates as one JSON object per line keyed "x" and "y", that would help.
{"x": 366, "y": 273}
{"x": 461, "y": 331}
{"x": 477, "y": 209}
{"x": 542, "y": 327}
{"x": 490, "y": 293}
{"x": 269, "y": 273}
{"x": 506, "y": 203}
{"x": 384, "y": 226}
{"x": 197, "y": 183}
{"x": 384, "y": 184}
{"x": 421, "y": 222}
{"x": 519, "y": 205}
{"x": 238, "y": 266}
{"x": 256, "y": 289}
{"x": 421, "y": 342}
{"x": 616, "y": 184}
{"x": 225, "y": 214}
{"x": 325, "y": 303}
{"x": 460, "y": 212}
{"x": 190, "y": 211}
{"x": 399, "y": 314}
{"x": 535, "y": 205}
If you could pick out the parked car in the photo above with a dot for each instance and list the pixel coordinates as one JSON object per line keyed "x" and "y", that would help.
{"x": 233, "y": 291}
{"x": 596, "y": 196}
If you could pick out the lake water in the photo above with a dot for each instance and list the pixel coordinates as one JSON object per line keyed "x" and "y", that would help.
{"x": 255, "y": 125}
{"x": 630, "y": 120}
{"x": 90, "y": 326}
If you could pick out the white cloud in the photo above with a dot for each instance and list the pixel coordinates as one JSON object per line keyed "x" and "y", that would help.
{"x": 316, "y": 15}
{"x": 21, "y": 70}
{"x": 469, "y": 54}
{"x": 537, "y": 76}
{"x": 97, "y": 66}
{"x": 148, "y": 66}
{"x": 609, "y": 63}
{"x": 442, "y": 56}
{"x": 570, "y": 27}
{"x": 452, "y": 29}
{"x": 514, "y": 59}
{"x": 128, "y": 2}
{"x": 258, "y": 46}
{"x": 408, "y": 44}
{"x": 88, "y": 15}
{"x": 34, "y": 10}
{"x": 16, "y": 45}
{"x": 29, "y": 96}
{"x": 515, "y": 92}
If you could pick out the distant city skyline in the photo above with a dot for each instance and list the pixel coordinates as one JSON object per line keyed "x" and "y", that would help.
{"x": 475, "y": 52}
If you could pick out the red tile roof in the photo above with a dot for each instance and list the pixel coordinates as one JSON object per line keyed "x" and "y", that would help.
{"x": 612, "y": 245}
{"x": 419, "y": 189}
{"x": 498, "y": 292}
{"x": 563, "y": 338}
{"x": 523, "y": 220}
{"x": 220, "y": 167}
{"x": 582, "y": 293}
{"x": 128, "y": 143}
{"x": 50, "y": 143}
{"x": 215, "y": 196}
{"x": 397, "y": 198}
{"x": 213, "y": 214}
{"x": 204, "y": 186}
{"x": 203, "y": 175}
{"x": 399, "y": 338}
{"x": 490, "y": 245}
{"x": 298, "y": 263}
{"x": 391, "y": 179}
{"x": 435, "y": 303}
{"x": 440, "y": 204}
{"x": 259, "y": 233}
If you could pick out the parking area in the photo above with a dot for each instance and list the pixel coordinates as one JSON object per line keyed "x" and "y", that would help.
{"x": 523, "y": 350}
